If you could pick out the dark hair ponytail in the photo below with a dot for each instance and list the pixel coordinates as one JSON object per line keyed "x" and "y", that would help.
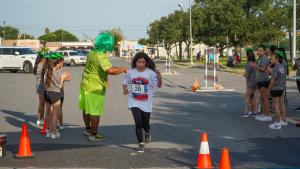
{"x": 149, "y": 62}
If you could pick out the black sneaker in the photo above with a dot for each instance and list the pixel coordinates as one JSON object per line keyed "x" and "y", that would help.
{"x": 147, "y": 137}
{"x": 297, "y": 109}
{"x": 140, "y": 149}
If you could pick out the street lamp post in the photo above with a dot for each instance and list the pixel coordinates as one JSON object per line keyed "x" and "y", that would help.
{"x": 4, "y": 25}
{"x": 294, "y": 52}
{"x": 191, "y": 40}
{"x": 191, "y": 36}
{"x": 181, "y": 24}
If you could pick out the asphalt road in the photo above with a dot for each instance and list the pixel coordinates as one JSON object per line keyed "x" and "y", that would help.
{"x": 178, "y": 119}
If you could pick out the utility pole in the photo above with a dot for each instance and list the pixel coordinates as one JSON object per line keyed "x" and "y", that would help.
{"x": 191, "y": 38}
{"x": 4, "y": 25}
{"x": 294, "y": 52}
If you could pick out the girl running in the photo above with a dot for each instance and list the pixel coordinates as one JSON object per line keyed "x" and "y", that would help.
{"x": 252, "y": 93}
{"x": 54, "y": 83}
{"x": 139, "y": 83}
{"x": 276, "y": 89}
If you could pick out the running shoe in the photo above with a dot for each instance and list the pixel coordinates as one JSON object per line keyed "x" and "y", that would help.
{"x": 97, "y": 137}
{"x": 258, "y": 116}
{"x": 147, "y": 137}
{"x": 40, "y": 122}
{"x": 245, "y": 115}
{"x": 61, "y": 127}
{"x": 55, "y": 136}
{"x": 283, "y": 123}
{"x": 265, "y": 118}
{"x": 87, "y": 133}
{"x": 140, "y": 148}
{"x": 275, "y": 126}
{"x": 48, "y": 134}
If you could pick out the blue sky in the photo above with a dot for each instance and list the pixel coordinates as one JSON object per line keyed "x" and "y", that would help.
{"x": 85, "y": 16}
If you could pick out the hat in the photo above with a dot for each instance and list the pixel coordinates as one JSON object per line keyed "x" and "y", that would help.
{"x": 280, "y": 54}
{"x": 249, "y": 50}
{"x": 104, "y": 42}
{"x": 42, "y": 54}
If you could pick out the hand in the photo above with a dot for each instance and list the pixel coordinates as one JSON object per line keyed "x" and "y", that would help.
{"x": 269, "y": 70}
{"x": 125, "y": 69}
{"x": 68, "y": 76}
{"x": 158, "y": 73}
{"x": 253, "y": 64}
{"x": 125, "y": 91}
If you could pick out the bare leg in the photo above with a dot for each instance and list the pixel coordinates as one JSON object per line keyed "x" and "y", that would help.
{"x": 41, "y": 109}
{"x": 275, "y": 101}
{"x": 247, "y": 99}
{"x": 265, "y": 102}
{"x": 54, "y": 117}
{"x": 255, "y": 101}
{"x": 282, "y": 109}
{"x": 95, "y": 120}
{"x": 60, "y": 117}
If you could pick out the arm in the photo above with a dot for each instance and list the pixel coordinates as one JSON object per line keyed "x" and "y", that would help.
{"x": 125, "y": 89}
{"x": 159, "y": 79}
{"x": 271, "y": 84}
{"x": 66, "y": 76}
{"x": 116, "y": 70}
{"x": 126, "y": 82}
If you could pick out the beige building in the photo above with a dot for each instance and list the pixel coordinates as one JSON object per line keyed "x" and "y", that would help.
{"x": 69, "y": 45}
{"x": 34, "y": 44}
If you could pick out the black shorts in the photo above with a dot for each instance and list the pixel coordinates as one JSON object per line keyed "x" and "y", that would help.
{"x": 276, "y": 93}
{"x": 52, "y": 97}
{"x": 62, "y": 99}
{"x": 264, "y": 84}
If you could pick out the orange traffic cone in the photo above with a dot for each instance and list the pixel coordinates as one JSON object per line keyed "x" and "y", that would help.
{"x": 43, "y": 131}
{"x": 195, "y": 86}
{"x": 225, "y": 161}
{"x": 24, "y": 147}
{"x": 204, "y": 160}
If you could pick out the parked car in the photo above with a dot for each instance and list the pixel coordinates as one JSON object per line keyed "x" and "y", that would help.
{"x": 83, "y": 52}
{"x": 14, "y": 59}
{"x": 73, "y": 57}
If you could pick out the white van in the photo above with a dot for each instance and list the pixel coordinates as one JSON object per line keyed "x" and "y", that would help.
{"x": 73, "y": 57}
{"x": 17, "y": 58}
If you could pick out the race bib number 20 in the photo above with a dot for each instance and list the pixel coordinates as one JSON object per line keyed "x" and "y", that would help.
{"x": 138, "y": 88}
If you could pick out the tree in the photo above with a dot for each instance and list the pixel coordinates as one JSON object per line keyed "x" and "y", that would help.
{"x": 118, "y": 36}
{"x": 13, "y": 33}
{"x": 47, "y": 31}
{"x": 143, "y": 41}
{"x": 50, "y": 37}
{"x": 58, "y": 36}
{"x": 222, "y": 20}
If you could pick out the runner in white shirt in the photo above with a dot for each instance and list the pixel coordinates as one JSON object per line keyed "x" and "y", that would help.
{"x": 139, "y": 83}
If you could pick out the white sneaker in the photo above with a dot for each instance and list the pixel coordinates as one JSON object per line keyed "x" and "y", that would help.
{"x": 265, "y": 118}
{"x": 275, "y": 126}
{"x": 39, "y": 122}
{"x": 283, "y": 123}
{"x": 48, "y": 134}
{"x": 61, "y": 127}
{"x": 53, "y": 136}
{"x": 257, "y": 117}
{"x": 58, "y": 135}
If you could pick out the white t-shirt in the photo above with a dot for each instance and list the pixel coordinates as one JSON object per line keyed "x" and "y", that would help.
{"x": 140, "y": 87}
